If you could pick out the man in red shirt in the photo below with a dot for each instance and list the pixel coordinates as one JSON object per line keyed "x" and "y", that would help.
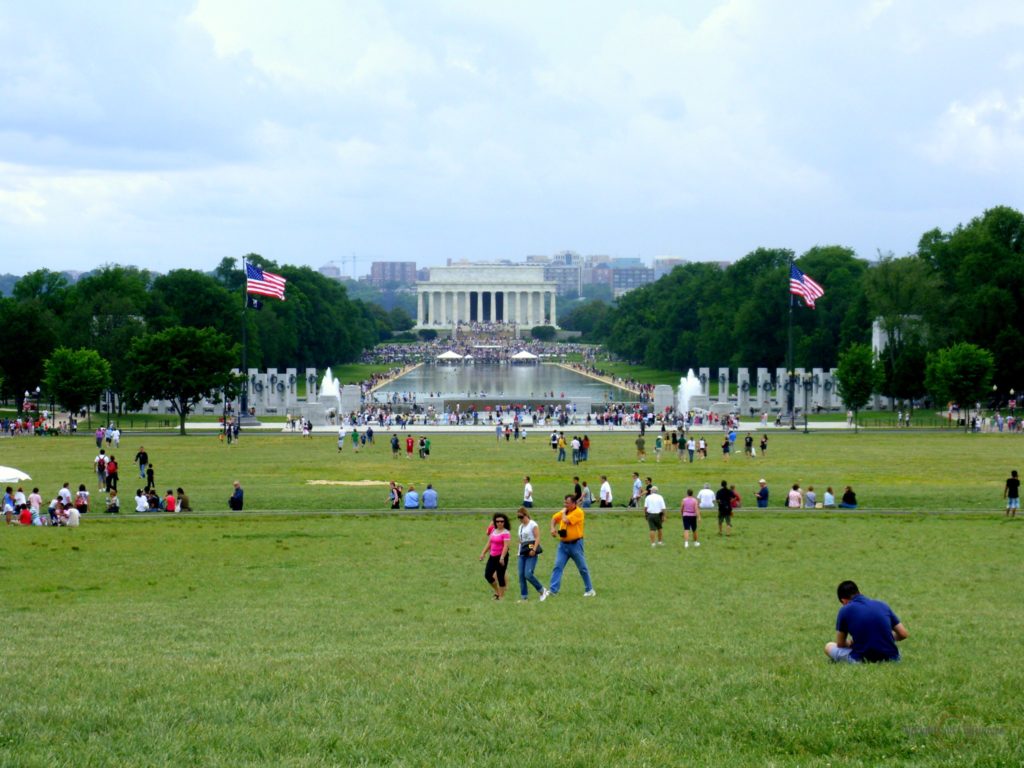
{"x": 170, "y": 501}
{"x": 409, "y": 444}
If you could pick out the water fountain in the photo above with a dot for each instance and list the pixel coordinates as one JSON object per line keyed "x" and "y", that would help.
{"x": 691, "y": 394}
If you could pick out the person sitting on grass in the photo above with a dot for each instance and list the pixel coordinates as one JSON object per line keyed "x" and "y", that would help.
{"x": 170, "y": 502}
{"x": 430, "y": 497}
{"x": 237, "y": 499}
{"x": 113, "y": 503}
{"x": 183, "y": 502}
{"x": 849, "y": 500}
{"x": 152, "y": 501}
{"x": 412, "y": 498}
{"x": 866, "y": 630}
{"x": 141, "y": 501}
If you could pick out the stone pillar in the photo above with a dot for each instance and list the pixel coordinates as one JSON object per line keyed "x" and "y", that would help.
{"x": 743, "y": 391}
{"x": 291, "y": 386}
{"x": 723, "y": 385}
{"x": 828, "y": 389}
{"x": 816, "y": 393}
{"x": 433, "y": 307}
{"x": 419, "y": 308}
{"x": 764, "y": 388}
{"x": 704, "y": 375}
{"x": 554, "y": 314}
{"x": 312, "y": 386}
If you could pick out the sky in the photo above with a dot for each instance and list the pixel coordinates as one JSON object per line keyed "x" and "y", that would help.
{"x": 176, "y": 133}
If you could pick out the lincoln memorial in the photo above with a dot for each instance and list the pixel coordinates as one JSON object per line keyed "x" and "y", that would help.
{"x": 484, "y": 293}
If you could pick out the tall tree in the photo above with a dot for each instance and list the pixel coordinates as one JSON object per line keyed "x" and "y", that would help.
{"x": 182, "y": 365}
{"x": 30, "y": 332}
{"x": 75, "y": 378}
{"x": 856, "y": 377}
{"x": 960, "y": 374}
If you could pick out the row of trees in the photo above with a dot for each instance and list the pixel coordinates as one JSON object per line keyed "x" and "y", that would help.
{"x": 959, "y": 374}
{"x": 110, "y": 309}
{"x": 966, "y": 285}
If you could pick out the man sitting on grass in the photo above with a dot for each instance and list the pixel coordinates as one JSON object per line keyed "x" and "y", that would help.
{"x": 866, "y": 629}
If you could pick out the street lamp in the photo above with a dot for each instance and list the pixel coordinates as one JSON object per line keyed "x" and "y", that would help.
{"x": 808, "y": 385}
{"x": 791, "y": 397}
{"x": 1013, "y": 401}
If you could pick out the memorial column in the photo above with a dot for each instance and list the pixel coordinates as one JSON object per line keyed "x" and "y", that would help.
{"x": 554, "y": 316}
{"x": 433, "y": 307}
{"x": 419, "y": 308}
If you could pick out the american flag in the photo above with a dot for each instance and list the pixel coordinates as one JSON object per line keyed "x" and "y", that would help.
{"x": 263, "y": 283}
{"x": 803, "y": 286}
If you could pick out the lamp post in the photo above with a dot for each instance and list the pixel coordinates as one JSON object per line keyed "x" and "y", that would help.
{"x": 791, "y": 397}
{"x": 808, "y": 383}
{"x": 1013, "y": 401}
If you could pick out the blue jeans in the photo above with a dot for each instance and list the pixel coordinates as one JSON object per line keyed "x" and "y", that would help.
{"x": 570, "y": 550}
{"x": 142, "y": 471}
{"x": 526, "y": 566}
{"x": 561, "y": 454}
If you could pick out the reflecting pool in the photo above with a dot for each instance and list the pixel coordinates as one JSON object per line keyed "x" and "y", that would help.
{"x": 502, "y": 380}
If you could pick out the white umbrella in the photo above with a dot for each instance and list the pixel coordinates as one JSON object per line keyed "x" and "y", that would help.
{"x": 12, "y": 475}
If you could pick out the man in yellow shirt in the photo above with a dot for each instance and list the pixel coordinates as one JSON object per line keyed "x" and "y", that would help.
{"x": 567, "y": 527}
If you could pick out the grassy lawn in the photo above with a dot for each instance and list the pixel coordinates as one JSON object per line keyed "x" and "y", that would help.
{"x": 293, "y": 635}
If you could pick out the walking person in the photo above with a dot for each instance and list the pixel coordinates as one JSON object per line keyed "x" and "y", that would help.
{"x": 691, "y": 517}
{"x": 142, "y": 459}
{"x": 567, "y": 527}
{"x": 496, "y": 552}
{"x": 529, "y": 548}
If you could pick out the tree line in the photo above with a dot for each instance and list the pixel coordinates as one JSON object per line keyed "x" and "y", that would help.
{"x": 965, "y": 286}
{"x": 129, "y": 319}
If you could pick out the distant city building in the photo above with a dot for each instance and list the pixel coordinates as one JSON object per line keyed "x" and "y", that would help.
{"x": 627, "y": 274}
{"x": 663, "y": 265}
{"x": 566, "y": 270}
{"x": 383, "y": 273}
{"x": 330, "y": 270}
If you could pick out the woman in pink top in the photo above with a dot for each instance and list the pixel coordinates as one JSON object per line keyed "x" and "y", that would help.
{"x": 496, "y": 550}
{"x": 691, "y": 514}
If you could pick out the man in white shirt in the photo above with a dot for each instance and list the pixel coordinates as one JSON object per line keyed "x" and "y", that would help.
{"x": 527, "y": 492}
{"x": 654, "y": 510}
{"x": 605, "y": 494}
{"x": 64, "y": 494}
{"x": 706, "y": 497}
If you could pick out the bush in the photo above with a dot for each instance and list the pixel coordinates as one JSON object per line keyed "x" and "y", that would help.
{"x": 543, "y": 332}
{"x": 427, "y": 334}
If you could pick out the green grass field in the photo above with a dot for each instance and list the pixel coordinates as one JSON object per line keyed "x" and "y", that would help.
{"x": 299, "y": 634}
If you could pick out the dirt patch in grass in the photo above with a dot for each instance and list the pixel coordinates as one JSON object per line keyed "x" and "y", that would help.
{"x": 346, "y": 482}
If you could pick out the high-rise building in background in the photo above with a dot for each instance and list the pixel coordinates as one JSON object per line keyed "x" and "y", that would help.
{"x": 385, "y": 273}
{"x": 665, "y": 264}
{"x": 566, "y": 269}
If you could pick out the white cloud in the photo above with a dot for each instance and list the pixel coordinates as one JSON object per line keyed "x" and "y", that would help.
{"x": 986, "y": 135}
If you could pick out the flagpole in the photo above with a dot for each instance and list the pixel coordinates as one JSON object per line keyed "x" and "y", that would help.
{"x": 245, "y": 366}
{"x": 791, "y": 400}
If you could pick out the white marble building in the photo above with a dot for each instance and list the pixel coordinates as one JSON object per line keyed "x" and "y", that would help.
{"x": 485, "y": 293}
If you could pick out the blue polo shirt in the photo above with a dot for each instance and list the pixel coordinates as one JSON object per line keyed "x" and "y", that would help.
{"x": 412, "y": 500}
{"x": 869, "y": 622}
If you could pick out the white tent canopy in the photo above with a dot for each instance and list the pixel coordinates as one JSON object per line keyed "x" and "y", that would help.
{"x": 449, "y": 355}
{"x": 12, "y": 475}
{"x": 524, "y": 355}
